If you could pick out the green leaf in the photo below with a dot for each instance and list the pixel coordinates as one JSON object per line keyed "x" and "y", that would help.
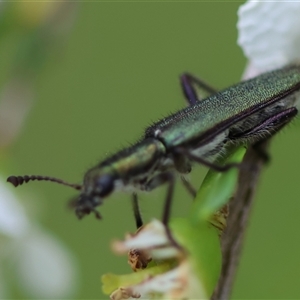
{"x": 112, "y": 282}
{"x": 202, "y": 245}
{"x": 217, "y": 188}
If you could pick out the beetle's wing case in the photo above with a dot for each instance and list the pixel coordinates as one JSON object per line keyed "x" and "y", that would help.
{"x": 239, "y": 107}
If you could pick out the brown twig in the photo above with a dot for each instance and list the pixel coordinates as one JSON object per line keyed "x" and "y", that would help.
{"x": 239, "y": 212}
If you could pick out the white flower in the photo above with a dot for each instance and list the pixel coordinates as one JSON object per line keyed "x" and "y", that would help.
{"x": 174, "y": 271}
{"x": 151, "y": 238}
{"x": 42, "y": 266}
{"x": 13, "y": 221}
{"x": 269, "y": 34}
{"x": 178, "y": 283}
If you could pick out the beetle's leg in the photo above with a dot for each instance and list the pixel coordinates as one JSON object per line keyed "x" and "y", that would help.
{"x": 167, "y": 208}
{"x": 160, "y": 179}
{"x": 261, "y": 152}
{"x": 188, "y": 186}
{"x": 274, "y": 124}
{"x": 202, "y": 161}
{"x": 136, "y": 211}
{"x": 183, "y": 166}
{"x": 157, "y": 181}
{"x": 268, "y": 127}
{"x": 188, "y": 82}
{"x": 169, "y": 197}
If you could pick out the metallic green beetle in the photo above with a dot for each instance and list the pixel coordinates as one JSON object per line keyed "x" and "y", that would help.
{"x": 246, "y": 113}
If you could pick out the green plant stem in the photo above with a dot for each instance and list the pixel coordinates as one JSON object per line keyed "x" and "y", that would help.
{"x": 239, "y": 212}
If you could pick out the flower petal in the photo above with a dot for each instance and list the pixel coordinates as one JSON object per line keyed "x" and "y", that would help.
{"x": 149, "y": 237}
{"x": 269, "y": 33}
{"x": 45, "y": 268}
{"x": 13, "y": 221}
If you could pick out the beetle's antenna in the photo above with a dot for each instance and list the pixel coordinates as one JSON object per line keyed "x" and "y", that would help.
{"x": 18, "y": 180}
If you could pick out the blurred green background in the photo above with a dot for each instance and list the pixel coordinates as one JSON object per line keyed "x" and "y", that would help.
{"x": 116, "y": 73}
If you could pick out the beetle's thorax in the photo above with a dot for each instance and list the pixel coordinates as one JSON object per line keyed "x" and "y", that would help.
{"x": 130, "y": 168}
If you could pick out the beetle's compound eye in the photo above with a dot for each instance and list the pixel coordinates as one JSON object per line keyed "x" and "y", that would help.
{"x": 104, "y": 185}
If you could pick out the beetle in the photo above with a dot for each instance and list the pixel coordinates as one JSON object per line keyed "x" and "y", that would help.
{"x": 244, "y": 114}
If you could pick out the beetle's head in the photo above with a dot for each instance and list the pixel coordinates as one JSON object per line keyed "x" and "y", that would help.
{"x": 96, "y": 187}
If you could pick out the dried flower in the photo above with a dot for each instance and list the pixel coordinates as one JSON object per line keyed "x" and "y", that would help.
{"x": 175, "y": 272}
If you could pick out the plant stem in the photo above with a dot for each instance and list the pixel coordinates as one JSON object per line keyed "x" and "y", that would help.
{"x": 239, "y": 212}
